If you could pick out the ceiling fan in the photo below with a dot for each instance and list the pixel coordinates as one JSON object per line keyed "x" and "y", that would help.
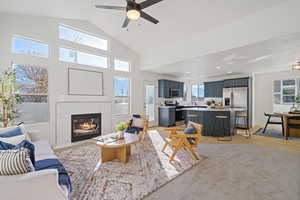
{"x": 296, "y": 66}
{"x": 134, "y": 10}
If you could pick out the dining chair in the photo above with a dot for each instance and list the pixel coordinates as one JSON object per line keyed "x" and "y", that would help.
{"x": 269, "y": 121}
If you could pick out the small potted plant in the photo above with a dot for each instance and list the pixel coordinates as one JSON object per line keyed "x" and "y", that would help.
{"x": 208, "y": 103}
{"x": 297, "y": 101}
{"x": 211, "y": 103}
{"x": 121, "y": 127}
{"x": 8, "y": 98}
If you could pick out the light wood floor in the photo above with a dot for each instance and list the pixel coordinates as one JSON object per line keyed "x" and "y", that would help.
{"x": 277, "y": 143}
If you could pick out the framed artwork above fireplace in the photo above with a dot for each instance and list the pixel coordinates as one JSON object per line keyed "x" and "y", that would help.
{"x": 85, "y": 82}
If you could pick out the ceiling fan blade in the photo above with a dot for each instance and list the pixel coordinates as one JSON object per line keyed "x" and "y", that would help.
{"x": 148, "y": 17}
{"x": 148, "y": 3}
{"x": 126, "y": 22}
{"x": 111, "y": 7}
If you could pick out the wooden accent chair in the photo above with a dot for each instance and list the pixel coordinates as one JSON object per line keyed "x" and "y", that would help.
{"x": 138, "y": 130}
{"x": 180, "y": 141}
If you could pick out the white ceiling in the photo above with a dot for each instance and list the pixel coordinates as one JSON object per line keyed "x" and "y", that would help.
{"x": 271, "y": 55}
{"x": 181, "y": 21}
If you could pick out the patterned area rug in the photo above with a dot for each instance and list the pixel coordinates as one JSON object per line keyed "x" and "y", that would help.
{"x": 147, "y": 170}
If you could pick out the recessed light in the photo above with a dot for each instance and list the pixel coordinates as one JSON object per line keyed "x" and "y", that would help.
{"x": 218, "y": 67}
{"x": 187, "y": 72}
{"x": 229, "y": 72}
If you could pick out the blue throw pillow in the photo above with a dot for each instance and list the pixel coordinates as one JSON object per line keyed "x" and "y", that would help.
{"x": 134, "y": 129}
{"x": 6, "y": 146}
{"x": 24, "y": 144}
{"x": 11, "y": 133}
{"x": 190, "y": 130}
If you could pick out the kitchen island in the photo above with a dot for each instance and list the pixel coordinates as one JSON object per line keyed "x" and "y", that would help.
{"x": 207, "y": 117}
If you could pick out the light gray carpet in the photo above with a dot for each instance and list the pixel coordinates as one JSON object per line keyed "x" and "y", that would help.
{"x": 235, "y": 172}
{"x": 275, "y": 133}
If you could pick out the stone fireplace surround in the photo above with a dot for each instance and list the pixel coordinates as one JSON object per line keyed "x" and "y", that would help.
{"x": 68, "y": 105}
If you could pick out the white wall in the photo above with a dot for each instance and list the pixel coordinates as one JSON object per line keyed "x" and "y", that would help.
{"x": 263, "y": 92}
{"x": 45, "y": 29}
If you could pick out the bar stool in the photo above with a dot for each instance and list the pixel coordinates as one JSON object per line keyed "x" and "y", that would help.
{"x": 190, "y": 116}
{"x": 244, "y": 119}
{"x": 223, "y": 119}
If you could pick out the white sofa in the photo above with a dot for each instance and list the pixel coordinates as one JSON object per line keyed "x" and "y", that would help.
{"x": 37, "y": 185}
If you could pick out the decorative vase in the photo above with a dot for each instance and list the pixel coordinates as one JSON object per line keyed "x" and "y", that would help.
{"x": 121, "y": 134}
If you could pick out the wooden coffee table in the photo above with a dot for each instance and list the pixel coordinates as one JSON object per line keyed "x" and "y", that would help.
{"x": 120, "y": 149}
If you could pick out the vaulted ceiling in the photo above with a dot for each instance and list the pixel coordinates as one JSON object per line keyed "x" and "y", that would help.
{"x": 188, "y": 29}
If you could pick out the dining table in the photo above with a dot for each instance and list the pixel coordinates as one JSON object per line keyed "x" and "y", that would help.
{"x": 285, "y": 116}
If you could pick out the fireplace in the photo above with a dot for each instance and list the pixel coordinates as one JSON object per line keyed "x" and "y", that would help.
{"x": 85, "y": 126}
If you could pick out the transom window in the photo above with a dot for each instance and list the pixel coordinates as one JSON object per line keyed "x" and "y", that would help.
{"x": 197, "y": 92}
{"x": 121, "y": 96}
{"x": 79, "y": 37}
{"x": 29, "y": 47}
{"x": 120, "y": 65}
{"x": 78, "y": 57}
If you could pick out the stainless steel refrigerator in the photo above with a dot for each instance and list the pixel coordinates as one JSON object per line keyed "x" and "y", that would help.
{"x": 239, "y": 97}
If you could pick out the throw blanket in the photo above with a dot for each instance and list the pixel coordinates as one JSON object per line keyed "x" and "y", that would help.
{"x": 63, "y": 177}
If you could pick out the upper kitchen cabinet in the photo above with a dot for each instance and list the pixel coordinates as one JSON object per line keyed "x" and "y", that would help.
{"x": 213, "y": 89}
{"x": 239, "y": 82}
{"x": 170, "y": 89}
{"x": 229, "y": 83}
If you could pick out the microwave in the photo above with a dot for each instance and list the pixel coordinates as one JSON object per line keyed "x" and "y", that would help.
{"x": 174, "y": 93}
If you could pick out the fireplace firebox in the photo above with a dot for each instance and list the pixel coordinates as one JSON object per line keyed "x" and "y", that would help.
{"x": 85, "y": 126}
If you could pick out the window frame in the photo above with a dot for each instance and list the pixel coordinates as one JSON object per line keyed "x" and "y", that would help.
{"x": 295, "y": 86}
{"x": 198, "y": 98}
{"x": 84, "y": 52}
{"x": 101, "y": 37}
{"x": 122, "y": 60}
{"x": 30, "y": 39}
{"x": 129, "y": 95}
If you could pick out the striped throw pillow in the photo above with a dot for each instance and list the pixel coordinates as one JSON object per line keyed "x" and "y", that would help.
{"x": 13, "y": 162}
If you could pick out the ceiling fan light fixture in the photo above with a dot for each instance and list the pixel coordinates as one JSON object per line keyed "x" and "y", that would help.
{"x": 297, "y": 66}
{"x": 133, "y": 14}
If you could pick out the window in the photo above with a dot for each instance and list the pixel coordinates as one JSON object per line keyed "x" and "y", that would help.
{"x": 82, "y": 58}
{"x": 284, "y": 94}
{"x": 121, "y": 96}
{"x": 72, "y": 35}
{"x": 197, "y": 92}
{"x": 120, "y": 65}
{"x": 29, "y": 47}
{"x": 185, "y": 92}
{"x": 32, "y": 86}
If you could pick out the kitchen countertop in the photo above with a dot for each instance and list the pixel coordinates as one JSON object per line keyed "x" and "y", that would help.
{"x": 167, "y": 106}
{"x": 181, "y": 106}
{"x": 213, "y": 109}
